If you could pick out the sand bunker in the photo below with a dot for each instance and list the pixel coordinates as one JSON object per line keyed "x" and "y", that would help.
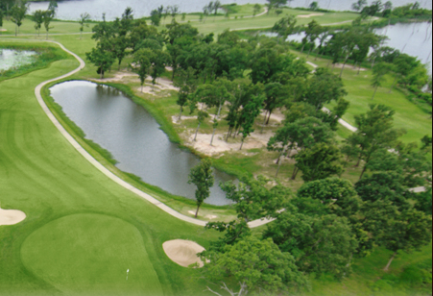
{"x": 11, "y": 217}
{"x": 183, "y": 252}
{"x": 3, "y": 30}
{"x": 310, "y": 15}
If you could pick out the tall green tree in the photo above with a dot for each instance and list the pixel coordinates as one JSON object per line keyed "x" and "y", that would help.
{"x": 257, "y": 265}
{"x": 379, "y": 72}
{"x": 320, "y": 244}
{"x": 336, "y": 193}
{"x": 249, "y": 114}
{"x": 324, "y": 87}
{"x": 253, "y": 200}
{"x": 38, "y": 18}
{"x": 141, "y": 59}
{"x": 276, "y": 96}
{"x": 18, "y": 13}
{"x": 375, "y": 132}
{"x": 201, "y": 116}
{"x": 84, "y": 18}
{"x": 101, "y": 58}
{"x": 359, "y": 5}
{"x": 202, "y": 177}
{"x": 319, "y": 162}
{"x": 286, "y": 26}
{"x": 48, "y": 17}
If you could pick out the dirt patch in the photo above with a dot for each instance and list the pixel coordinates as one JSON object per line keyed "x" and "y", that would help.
{"x": 3, "y": 30}
{"x": 351, "y": 67}
{"x": 310, "y": 15}
{"x": 183, "y": 252}
{"x": 11, "y": 217}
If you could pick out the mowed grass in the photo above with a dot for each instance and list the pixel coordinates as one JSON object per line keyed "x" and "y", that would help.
{"x": 408, "y": 115}
{"x": 41, "y": 174}
{"x": 44, "y": 176}
{"x": 91, "y": 254}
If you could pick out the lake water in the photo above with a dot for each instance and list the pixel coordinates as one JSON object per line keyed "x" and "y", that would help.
{"x": 133, "y": 137}
{"x": 71, "y": 10}
{"x": 414, "y": 39}
{"x": 15, "y": 58}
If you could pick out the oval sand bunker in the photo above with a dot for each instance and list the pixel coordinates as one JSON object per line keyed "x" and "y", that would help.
{"x": 11, "y": 217}
{"x": 183, "y": 252}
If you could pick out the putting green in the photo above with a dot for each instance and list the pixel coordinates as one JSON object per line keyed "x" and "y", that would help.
{"x": 90, "y": 254}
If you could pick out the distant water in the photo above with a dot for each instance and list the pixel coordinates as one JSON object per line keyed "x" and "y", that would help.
{"x": 14, "y": 58}
{"x": 414, "y": 39}
{"x": 71, "y": 10}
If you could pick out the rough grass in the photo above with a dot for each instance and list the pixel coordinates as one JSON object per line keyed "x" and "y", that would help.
{"x": 41, "y": 174}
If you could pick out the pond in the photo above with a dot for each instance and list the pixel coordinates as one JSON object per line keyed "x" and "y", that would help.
{"x": 15, "y": 58}
{"x": 71, "y": 10}
{"x": 133, "y": 137}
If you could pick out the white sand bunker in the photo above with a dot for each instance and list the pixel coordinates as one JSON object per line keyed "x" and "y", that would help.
{"x": 3, "y": 30}
{"x": 11, "y": 217}
{"x": 183, "y": 252}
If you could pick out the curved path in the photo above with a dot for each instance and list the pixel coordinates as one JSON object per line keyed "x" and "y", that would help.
{"x": 103, "y": 169}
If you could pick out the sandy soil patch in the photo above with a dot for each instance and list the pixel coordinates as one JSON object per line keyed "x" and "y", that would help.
{"x": 183, "y": 252}
{"x": 351, "y": 67}
{"x": 11, "y": 217}
{"x": 310, "y": 15}
{"x": 209, "y": 217}
{"x": 3, "y": 30}
{"x": 219, "y": 145}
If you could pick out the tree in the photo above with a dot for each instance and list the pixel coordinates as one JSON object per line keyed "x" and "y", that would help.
{"x": 257, "y": 265}
{"x": 359, "y": 5}
{"x": 141, "y": 59}
{"x": 286, "y": 26}
{"x": 48, "y": 16}
{"x": 320, "y": 244}
{"x": 379, "y": 72}
{"x": 276, "y": 96}
{"x": 375, "y": 132}
{"x": 253, "y": 200}
{"x": 159, "y": 60}
{"x": 1, "y": 18}
{"x": 409, "y": 232}
{"x": 249, "y": 114}
{"x": 324, "y": 87}
{"x": 314, "y": 5}
{"x": 319, "y": 162}
{"x": 18, "y": 12}
{"x": 200, "y": 118}
{"x": 337, "y": 113}
{"x": 337, "y": 194}
{"x": 216, "y": 6}
{"x": 38, "y": 18}
{"x": 174, "y": 11}
{"x": 257, "y": 9}
{"x": 100, "y": 58}
{"x": 155, "y": 17}
{"x": 303, "y": 133}
{"x": 183, "y": 98}
{"x": 234, "y": 232}
{"x": 53, "y": 7}
{"x": 84, "y": 18}
{"x": 202, "y": 177}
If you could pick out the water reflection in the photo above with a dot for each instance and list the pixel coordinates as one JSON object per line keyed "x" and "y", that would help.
{"x": 133, "y": 137}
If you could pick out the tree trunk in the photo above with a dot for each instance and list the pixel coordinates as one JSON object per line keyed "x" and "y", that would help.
{"x": 196, "y": 132}
{"x": 295, "y": 173}
{"x": 213, "y": 135}
{"x": 359, "y": 69}
{"x": 229, "y": 133}
{"x": 173, "y": 72}
{"x": 393, "y": 84}
{"x": 279, "y": 163}
{"x": 242, "y": 144}
{"x": 269, "y": 117}
{"x": 47, "y": 35}
{"x": 375, "y": 91}
{"x": 102, "y": 77}
{"x": 180, "y": 114}
{"x": 219, "y": 111}
{"x": 264, "y": 122}
{"x": 198, "y": 208}
{"x": 363, "y": 172}
{"x": 342, "y": 68}
{"x": 390, "y": 262}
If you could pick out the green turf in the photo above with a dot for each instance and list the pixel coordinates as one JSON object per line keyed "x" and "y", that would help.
{"x": 41, "y": 174}
{"x": 90, "y": 254}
